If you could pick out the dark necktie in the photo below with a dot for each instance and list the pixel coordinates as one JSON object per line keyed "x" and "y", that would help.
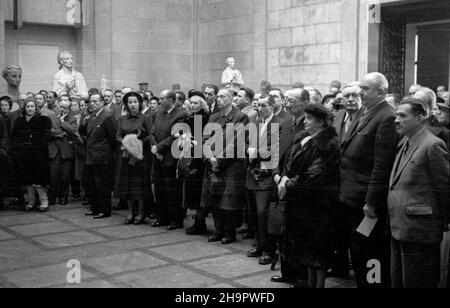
{"x": 402, "y": 156}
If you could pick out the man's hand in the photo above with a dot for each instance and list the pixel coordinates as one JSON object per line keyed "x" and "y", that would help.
{"x": 277, "y": 179}
{"x": 282, "y": 188}
{"x": 154, "y": 150}
{"x": 159, "y": 157}
{"x": 369, "y": 211}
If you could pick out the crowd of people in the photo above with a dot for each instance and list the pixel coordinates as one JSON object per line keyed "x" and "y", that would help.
{"x": 355, "y": 154}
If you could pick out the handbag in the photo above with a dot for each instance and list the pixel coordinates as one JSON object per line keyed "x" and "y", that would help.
{"x": 276, "y": 219}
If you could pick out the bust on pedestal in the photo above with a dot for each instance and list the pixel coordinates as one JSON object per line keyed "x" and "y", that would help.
{"x": 67, "y": 80}
{"x": 232, "y": 77}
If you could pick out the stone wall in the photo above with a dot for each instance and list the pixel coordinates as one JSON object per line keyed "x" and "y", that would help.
{"x": 3, "y": 84}
{"x": 284, "y": 41}
{"x": 152, "y": 41}
{"x": 49, "y": 12}
{"x": 230, "y": 28}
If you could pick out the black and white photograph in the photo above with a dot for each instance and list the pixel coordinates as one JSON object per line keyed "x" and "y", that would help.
{"x": 225, "y": 150}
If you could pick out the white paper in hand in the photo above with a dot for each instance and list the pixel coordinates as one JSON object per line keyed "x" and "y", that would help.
{"x": 367, "y": 225}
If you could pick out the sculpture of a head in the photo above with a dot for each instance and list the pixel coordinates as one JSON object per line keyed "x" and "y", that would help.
{"x": 65, "y": 59}
{"x": 231, "y": 62}
{"x": 13, "y": 75}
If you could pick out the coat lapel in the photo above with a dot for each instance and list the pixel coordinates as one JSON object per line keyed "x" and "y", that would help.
{"x": 408, "y": 156}
{"x": 405, "y": 162}
{"x": 362, "y": 122}
{"x": 352, "y": 129}
{"x": 94, "y": 122}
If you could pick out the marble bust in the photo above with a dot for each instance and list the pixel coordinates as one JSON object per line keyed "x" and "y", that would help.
{"x": 232, "y": 77}
{"x": 13, "y": 76}
{"x": 67, "y": 80}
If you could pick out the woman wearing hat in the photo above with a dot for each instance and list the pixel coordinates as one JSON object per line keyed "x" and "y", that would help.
{"x": 191, "y": 170}
{"x": 133, "y": 181}
{"x": 310, "y": 187}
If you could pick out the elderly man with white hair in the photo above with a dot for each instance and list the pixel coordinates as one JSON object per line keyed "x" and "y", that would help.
{"x": 429, "y": 98}
{"x": 368, "y": 154}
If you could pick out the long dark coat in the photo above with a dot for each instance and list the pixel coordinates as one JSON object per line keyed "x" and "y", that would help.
{"x": 29, "y": 150}
{"x": 133, "y": 182}
{"x": 233, "y": 170}
{"x": 313, "y": 171}
{"x": 191, "y": 170}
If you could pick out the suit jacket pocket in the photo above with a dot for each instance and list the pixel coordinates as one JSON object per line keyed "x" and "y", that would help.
{"x": 419, "y": 210}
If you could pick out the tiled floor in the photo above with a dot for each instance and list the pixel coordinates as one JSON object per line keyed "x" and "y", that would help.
{"x": 35, "y": 249}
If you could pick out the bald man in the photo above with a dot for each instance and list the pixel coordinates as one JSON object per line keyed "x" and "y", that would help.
{"x": 368, "y": 154}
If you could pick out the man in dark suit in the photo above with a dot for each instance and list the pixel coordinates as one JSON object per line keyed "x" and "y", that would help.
{"x": 419, "y": 208}
{"x": 211, "y": 92}
{"x": 368, "y": 154}
{"x": 227, "y": 205}
{"x": 259, "y": 179}
{"x": 345, "y": 123}
{"x": 168, "y": 189}
{"x": 61, "y": 155}
{"x": 100, "y": 131}
{"x": 297, "y": 100}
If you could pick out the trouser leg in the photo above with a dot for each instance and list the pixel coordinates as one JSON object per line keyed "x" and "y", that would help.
{"x": 263, "y": 199}
{"x": 253, "y": 219}
{"x": 65, "y": 177}
{"x": 90, "y": 175}
{"x": 173, "y": 192}
{"x": 396, "y": 265}
{"x": 341, "y": 235}
{"x": 42, "y": 192}
{"x": 30, "y": 195}
{"x": 54, "y": 168}
{"x": 363, "y": 250}
{"x": 421, "y": 265}
{"x": 160, "y": 193}
{"x": 233, "y": 220}
{"x": 103, "y": 177}
{"x": 219, "y": 217}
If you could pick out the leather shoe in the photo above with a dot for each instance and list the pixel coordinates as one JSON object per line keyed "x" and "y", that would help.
{"x": 90, "y": 213}
{"x": 254, "y": 253}
{"x": 228, "y": 240}
{"x": 174, "y": 227}
{"x": 265, "y": 260}
{"x": 101, "y": 216}
{"x": 43, "y": 209}
{"x": 139, "y": 221}
{"x": 198, "y": 228}
{"x": 129, "y": 221}
{"x": 281, "y": 279}
{"x": 247, "y": 236}
{"x": 63, "y": 202}
{"x": 158, "y": 224}
{"x": 215, "y": 237}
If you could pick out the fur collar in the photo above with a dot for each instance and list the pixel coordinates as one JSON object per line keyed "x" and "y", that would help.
{"x": 327, "y": 139}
